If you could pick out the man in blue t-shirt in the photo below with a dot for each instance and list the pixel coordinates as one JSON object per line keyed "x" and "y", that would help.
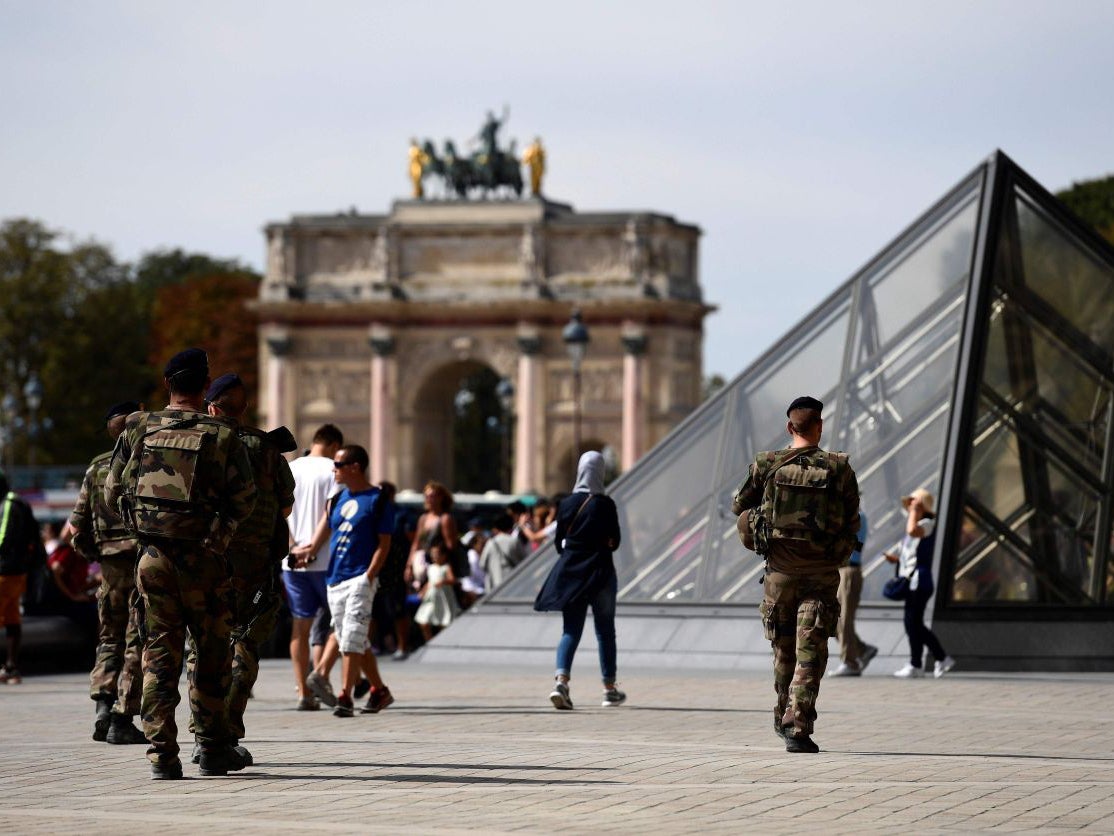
{"x": 854, "y": 653}
{"x": 361, "y": 518}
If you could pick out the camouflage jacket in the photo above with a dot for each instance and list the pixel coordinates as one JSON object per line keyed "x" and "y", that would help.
{"x": 275, "y": 485}
{"x": 181, "y": 475}
{"x": 98, "y": 529}
{"x": 803, "y": 494}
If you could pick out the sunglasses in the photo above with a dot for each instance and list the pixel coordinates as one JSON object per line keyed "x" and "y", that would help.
{"x": 339, "y": 465}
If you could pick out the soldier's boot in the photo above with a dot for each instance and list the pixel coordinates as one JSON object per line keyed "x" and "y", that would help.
{"x": 800, "y": 743}
{"x": 122, "y": 731}
{"x": 195, "y": 755}
{"x": 166, "y": 770}
{"x": 103, "y": 720}
{"x": 782, "y": 730}
{"x": 245, "y": 754}
{"x": 222, "y": 760}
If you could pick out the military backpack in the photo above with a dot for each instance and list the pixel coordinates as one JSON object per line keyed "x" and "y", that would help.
{"x": 801, "y": 500}
{"x": 171, "y": 479}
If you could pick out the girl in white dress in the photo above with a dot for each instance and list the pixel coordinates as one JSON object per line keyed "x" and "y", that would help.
{"x": 439, "y": 606}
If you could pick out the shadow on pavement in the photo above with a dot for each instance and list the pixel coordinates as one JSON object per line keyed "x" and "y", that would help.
{"x": 416, "y": 779}
{"x": 995, "y": 756}
{"x": 302, "y": 764}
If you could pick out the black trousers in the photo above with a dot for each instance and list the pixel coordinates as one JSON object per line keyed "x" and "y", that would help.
{"x": 915, "y": 628}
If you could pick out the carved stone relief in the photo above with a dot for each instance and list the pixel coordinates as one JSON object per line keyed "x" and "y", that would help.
{"x": 329, "y": 388}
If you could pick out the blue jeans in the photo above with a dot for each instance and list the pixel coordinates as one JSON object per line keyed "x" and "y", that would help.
{"x": 603, "y": 614}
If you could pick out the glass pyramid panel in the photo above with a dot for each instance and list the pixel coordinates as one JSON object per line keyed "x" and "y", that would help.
{"x": 1037, "y": 490}
{"x": 880, "y": 352}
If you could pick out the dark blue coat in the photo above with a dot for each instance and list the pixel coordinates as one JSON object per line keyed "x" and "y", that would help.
{"x": 585, "y": 541}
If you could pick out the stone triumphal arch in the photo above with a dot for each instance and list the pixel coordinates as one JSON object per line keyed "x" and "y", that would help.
{"x": 372, "y": 321}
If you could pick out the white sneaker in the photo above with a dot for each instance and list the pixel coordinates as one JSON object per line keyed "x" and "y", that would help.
{"x": 909, "y": 672}
{"x": 613, "y": 696}
{"x": 942, "y": 668}
{"x": 560, "y": 697}
{"x": 845, "y": 669}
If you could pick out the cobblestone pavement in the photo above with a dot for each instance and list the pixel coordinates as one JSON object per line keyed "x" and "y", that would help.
{"x": 466, "y": 750}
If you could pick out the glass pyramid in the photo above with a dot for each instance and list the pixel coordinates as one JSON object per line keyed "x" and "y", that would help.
{"x": 1015, "y": 447}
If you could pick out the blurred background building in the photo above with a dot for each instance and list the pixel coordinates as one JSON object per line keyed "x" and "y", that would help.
{"x": 440, "y": 336}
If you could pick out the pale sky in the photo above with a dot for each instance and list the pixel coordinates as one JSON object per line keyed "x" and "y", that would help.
{"x": 801, "y": 137}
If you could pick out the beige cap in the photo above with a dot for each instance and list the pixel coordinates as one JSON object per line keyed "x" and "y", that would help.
{"x": 920, "y": 493}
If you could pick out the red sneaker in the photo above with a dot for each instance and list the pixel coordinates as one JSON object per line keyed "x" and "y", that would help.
{"x": 379, "y": 699}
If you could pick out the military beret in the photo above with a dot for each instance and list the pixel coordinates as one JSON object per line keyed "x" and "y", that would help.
{"x": 222, "y": 384}
{"x": 190, "y": 360}
{"x": 122, "y": 408}
{"x": 804, "y": 402}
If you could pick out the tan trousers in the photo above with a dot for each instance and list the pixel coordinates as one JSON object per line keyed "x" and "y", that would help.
{"x": 850, "y": 588}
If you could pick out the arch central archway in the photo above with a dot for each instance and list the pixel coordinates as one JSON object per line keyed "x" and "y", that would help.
{"x": 462, "y": 435}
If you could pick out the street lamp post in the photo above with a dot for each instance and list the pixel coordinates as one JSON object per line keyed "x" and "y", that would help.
{"x": 575, "y": 337}
{"x": 33, "y": 394}
{"x": 504, "y": 391}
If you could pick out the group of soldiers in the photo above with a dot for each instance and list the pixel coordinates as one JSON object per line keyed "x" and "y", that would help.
{"x": 187, "y": 518}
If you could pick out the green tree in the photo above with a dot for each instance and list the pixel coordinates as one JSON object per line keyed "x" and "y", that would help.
{"x": 67, "y": 316}
{"x": 1093, "y": 201}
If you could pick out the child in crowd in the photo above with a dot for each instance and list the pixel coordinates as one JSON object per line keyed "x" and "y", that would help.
{"x": 474, "y": 586}
{"x": 439, "y": 606}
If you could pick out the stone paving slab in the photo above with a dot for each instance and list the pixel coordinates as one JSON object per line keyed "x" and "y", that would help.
{"x": 467, "y": 750}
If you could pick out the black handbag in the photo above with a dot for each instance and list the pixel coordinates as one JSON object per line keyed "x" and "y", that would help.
{"x": 896, "y": 589}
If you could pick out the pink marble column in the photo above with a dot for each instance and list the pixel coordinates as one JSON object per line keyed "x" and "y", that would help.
{"x": 382, "y": 359}
{"x": 526, "y": 458}
{"x": 277, "y": 386}
{"x": 634, "y": 419}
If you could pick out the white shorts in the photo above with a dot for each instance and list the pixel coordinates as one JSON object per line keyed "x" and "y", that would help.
{"x": 350, "y": 605}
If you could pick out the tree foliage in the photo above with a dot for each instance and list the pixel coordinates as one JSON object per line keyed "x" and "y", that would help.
{"x": 209, "y": 311}
{"x": 67, "y": 316}
{"x": 96, "y": 331}
{"x": 1093, "y": 201}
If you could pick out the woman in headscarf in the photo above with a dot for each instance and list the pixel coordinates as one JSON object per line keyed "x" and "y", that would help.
{"x": 584, "y": 576}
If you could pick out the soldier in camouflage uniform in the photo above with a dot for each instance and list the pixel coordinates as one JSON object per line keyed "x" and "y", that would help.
{"x": 801, "y": 509}
{"x": 100, "y": 537}
{"x": 182, "y": 482}
{"x": 251, "y": 554}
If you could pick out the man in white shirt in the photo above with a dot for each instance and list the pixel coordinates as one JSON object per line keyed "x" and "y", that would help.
{"x": 305, "y": 588}
{"x": 502, "y": 552}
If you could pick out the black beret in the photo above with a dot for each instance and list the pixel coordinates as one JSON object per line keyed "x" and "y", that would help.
{"x": 190, "y": 360}
{"x": 222, "y": 384}
{"x": 122, "y": 408}
{"x": 804, "y": 402}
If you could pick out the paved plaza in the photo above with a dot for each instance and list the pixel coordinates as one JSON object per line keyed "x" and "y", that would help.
{"x": 467, "y": 750}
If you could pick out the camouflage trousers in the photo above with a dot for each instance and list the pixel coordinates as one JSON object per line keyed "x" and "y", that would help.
{"x": 117, "y": 674}
{"x": 184, "y": 588}
{"x": 799, "y": 614}
{"x": 255, "y": 608}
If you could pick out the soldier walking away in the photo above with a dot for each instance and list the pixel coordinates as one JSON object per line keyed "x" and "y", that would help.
{"x": 251, "y": 554}
{"x": 182, "y": 482}
{"x": 19, "y": 540}
{"x": 801, "y": 509}
{"x": 101, "y": 537}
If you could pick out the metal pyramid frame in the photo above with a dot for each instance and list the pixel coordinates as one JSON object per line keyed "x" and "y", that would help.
{"x": 973, "y": 356}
